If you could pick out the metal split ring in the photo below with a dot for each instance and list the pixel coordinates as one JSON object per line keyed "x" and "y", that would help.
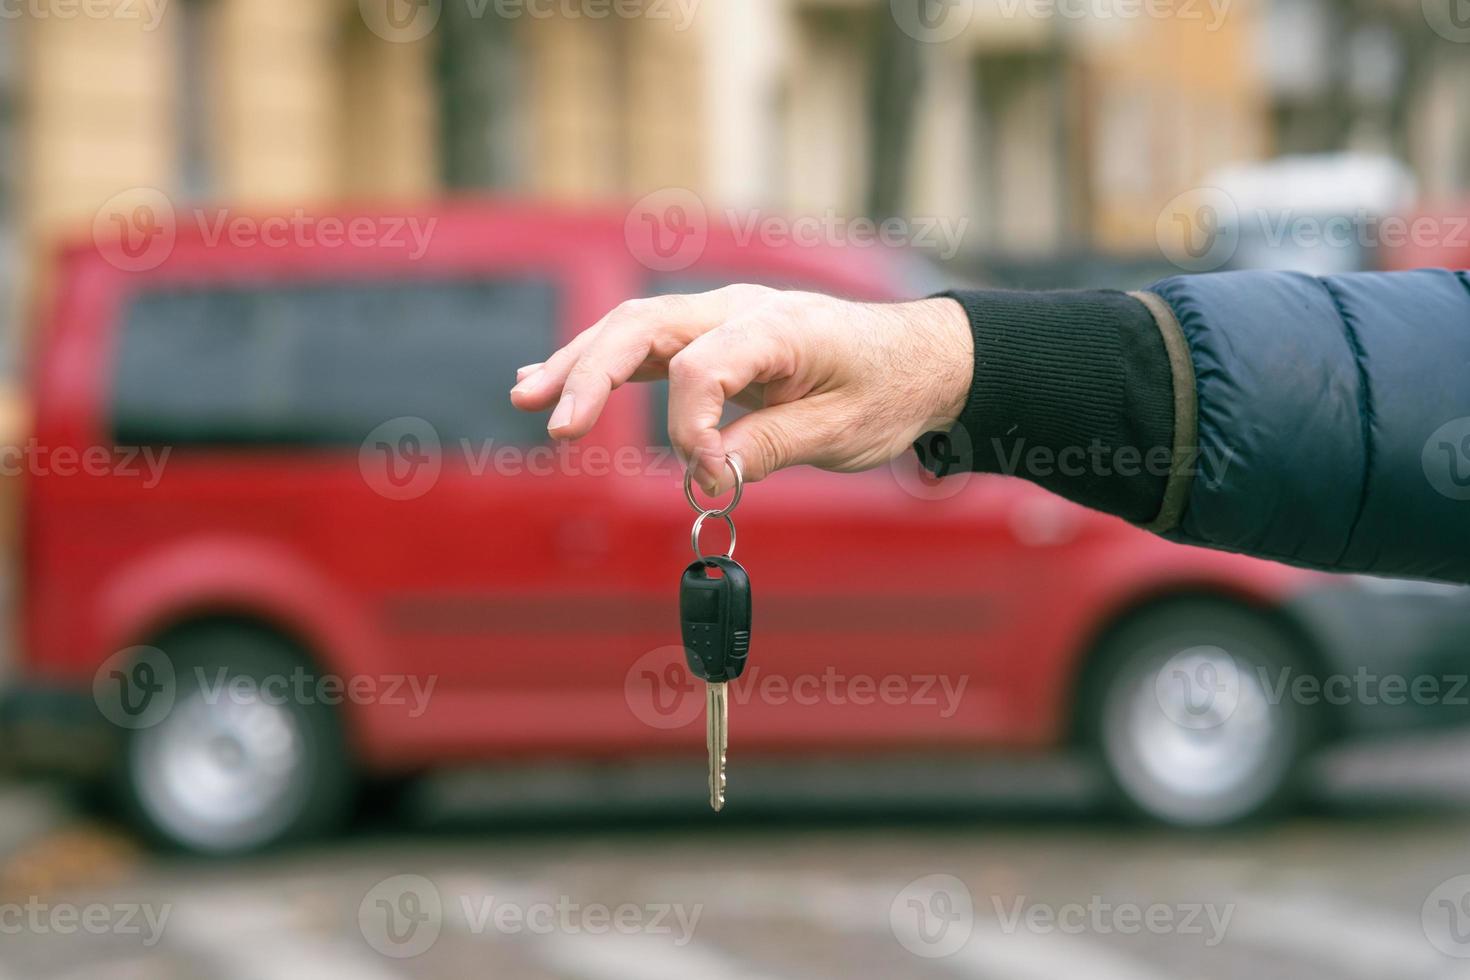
{"x": 734, "y": 463}
{"x": 699, "y": 526}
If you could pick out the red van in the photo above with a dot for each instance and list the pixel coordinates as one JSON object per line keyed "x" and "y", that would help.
{"x": 283, "y": 534}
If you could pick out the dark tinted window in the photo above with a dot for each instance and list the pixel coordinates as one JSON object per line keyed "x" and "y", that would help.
{"x": 325, "y": 364}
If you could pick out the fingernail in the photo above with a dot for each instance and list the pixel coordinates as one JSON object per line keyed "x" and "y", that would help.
{"x": 526, "y": 384}
{"x": 529, "y": 369}
{"x": 562, "y": 417}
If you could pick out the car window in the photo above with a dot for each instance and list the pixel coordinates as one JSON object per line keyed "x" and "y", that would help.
{"x": 325, "y": 364}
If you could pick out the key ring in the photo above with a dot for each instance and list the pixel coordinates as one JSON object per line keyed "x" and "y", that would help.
{"x": 699, "y": 526}
{"x": 734, "y": 463}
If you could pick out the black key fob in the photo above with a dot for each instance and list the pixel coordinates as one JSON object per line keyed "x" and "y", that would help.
{"x": 714, "y": 607}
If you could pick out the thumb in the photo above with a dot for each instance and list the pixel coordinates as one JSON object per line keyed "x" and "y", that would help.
{"x": 775, "y": 438}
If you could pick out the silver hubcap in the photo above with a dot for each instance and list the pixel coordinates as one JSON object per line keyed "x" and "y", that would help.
{"x": 1194, "y": 738}
{"x": 221, "y": 773}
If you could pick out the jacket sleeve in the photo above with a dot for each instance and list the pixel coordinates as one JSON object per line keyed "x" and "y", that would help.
{"x": 1319, "y": 421}
{"x": 1331, "y": 418}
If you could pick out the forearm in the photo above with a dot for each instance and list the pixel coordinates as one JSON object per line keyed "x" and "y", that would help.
{"x": 1321, "y": 421}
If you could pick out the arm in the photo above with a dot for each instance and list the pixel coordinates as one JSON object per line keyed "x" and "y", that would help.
{"x": 1275, "y": 414}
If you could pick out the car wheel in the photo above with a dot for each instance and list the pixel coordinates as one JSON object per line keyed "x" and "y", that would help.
{"x": 1188, "y": 719}
{"x": 241, "y": 761}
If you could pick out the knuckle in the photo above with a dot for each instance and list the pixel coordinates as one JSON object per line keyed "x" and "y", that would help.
{"x": 631, "y": 314}
{"x": 771, "y": 445}
{"x": 586, "y": 374}
{"x": 686, "y": 367}
{"x": 744, "y": 293}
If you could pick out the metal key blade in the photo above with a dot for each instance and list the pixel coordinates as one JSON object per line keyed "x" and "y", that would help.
{"x": 717, "y": 739}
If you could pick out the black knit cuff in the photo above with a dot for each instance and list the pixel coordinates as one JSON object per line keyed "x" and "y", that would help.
{"x": 1073, "y": 391}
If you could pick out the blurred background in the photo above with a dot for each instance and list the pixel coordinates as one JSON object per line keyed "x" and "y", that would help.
{"x": 1014, "y": 143}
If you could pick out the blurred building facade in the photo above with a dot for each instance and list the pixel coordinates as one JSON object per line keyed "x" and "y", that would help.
{"x": 1047, "y": 128}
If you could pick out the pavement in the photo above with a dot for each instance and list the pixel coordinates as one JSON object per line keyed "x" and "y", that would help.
{"x": 1000, "y": 869}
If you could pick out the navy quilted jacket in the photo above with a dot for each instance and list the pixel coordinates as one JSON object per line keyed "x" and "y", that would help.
{"x": 1330, "y": 417}
{"x": 1343, "y": 405}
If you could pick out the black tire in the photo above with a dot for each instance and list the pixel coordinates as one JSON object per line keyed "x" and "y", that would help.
{"x": 306, "y": 783}
{"x": 1188, "y": 714}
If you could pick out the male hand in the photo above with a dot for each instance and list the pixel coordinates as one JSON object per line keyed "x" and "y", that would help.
{"x": 838, "y": 385}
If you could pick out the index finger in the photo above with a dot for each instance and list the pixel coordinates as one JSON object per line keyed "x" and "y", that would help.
{"x": 580, "y": 376}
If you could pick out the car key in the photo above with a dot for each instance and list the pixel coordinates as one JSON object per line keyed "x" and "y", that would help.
{"x": 714, "y": 613}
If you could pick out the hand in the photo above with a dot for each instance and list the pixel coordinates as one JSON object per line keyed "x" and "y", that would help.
{"x": 839, "y": 385}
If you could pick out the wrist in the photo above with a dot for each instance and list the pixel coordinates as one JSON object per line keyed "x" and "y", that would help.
{"x": 952, "y": 345}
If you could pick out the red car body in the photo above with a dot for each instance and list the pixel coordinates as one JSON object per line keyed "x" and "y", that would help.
{"x": 543, "y": 605}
